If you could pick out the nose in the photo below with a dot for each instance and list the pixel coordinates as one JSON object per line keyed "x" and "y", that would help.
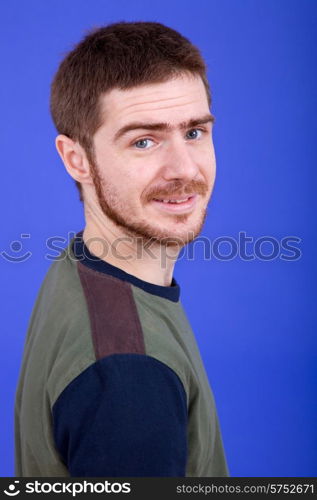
{"x": 180, "y": 161}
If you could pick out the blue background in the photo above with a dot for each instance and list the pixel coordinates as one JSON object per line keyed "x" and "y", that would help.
{"x": 255, "y": 321}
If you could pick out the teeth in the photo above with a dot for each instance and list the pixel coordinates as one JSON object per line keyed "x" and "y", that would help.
{"x": 174, "y": 201}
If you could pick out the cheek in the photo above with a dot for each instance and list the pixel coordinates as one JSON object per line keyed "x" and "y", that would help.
{"x": 132, "y": 188}
{"x": 208, "y": 163}
{"x": 142, "y": 174}
{"x": 118, "y": 172}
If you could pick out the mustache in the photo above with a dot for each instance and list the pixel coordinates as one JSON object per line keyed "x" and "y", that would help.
{"x": 178, "y": 188}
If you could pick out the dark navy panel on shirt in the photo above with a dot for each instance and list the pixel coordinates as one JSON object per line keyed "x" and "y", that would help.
{"x": 125, "y": 415}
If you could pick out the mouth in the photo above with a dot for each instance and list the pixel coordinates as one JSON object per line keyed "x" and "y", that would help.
{"x": 176, "y": 204}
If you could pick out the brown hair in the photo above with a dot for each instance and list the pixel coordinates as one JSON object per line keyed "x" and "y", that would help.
{"x": 120, "y": 55}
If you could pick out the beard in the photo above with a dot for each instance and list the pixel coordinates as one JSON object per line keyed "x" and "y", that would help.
{"x": 121, "y": 215}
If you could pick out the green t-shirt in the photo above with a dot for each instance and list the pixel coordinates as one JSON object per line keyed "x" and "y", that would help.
{"x": 112, "y": 383}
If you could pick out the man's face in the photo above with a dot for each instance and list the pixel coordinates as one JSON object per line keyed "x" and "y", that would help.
{"x": 155, "y": 144}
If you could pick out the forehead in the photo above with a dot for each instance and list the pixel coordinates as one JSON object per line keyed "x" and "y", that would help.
{"x": 183, "y": 97}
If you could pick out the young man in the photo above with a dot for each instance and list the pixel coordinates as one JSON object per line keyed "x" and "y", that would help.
{"x": 112, "y": 383}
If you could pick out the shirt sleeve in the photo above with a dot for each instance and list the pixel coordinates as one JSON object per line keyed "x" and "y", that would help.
{"x": 124, "y": 416}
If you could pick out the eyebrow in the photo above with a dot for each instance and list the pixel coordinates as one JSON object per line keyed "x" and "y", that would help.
{"x": 162, "y": 126}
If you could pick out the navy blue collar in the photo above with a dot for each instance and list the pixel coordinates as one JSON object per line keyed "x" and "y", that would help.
{"x": 83, "y": 254}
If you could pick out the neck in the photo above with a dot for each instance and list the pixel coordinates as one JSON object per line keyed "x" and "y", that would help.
{"x": 147, "y": 260}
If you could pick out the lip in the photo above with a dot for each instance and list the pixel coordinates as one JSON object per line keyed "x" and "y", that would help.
{"x": 186, "y": 206}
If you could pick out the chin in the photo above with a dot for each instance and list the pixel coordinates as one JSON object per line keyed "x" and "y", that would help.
{"x": 180, "y": 237}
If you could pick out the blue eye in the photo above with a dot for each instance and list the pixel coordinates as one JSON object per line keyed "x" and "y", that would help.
{"x": 195, "y": 133}
{"x": 142, "y": 143}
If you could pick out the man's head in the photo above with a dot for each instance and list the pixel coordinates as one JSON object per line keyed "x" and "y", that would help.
{"x": 131, "y": 104}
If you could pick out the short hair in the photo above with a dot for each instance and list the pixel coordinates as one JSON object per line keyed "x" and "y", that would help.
{"x": 120, "y": 55}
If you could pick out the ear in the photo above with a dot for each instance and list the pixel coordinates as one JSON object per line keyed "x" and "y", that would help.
{"x": 74, "y": 159}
